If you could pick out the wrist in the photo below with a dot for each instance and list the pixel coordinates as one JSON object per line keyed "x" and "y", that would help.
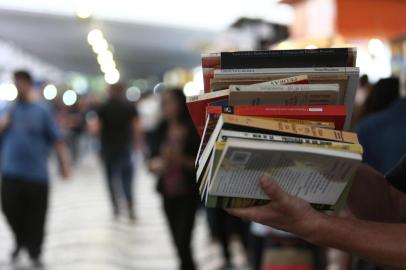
{"x": 311, "y": 226}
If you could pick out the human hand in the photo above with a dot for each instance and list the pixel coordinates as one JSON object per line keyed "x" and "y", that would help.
{"x": 156, "y": 165}
{"x": 284, "y": 211}
{"x": 171, "y": 154}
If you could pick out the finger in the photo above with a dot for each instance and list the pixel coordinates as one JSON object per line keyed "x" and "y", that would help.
{"x": 254, "y": 213}
{"x": 249, "y": 213}
{"x": 272, "y": 189}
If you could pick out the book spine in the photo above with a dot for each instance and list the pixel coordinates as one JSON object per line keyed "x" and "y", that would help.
{"x": 269, "y": 71}
{"x": 356, "y": 148}
{"x": 337, "y": 57}
{"x": 216, "y": 110}
{"x": 208, "y": 75}
{"x": 289, "y": 128}
{"x": 282, "y": 98}
{"x": 327, "y": 110}
{"x": 292, "y": 87}
{"x": 211, "y": 60}
{"x": 208, "y": 96}
{"x": 290, "y": 80}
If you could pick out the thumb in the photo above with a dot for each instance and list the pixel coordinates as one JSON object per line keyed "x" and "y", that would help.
{"x": 272, "y": 189}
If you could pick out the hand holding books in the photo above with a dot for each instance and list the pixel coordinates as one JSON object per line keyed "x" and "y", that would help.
{"x": 284, "y": 211}
{"x": 282, "y": 114}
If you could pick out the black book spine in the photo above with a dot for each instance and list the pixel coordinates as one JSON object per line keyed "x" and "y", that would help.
{"x": 335, "y": 57}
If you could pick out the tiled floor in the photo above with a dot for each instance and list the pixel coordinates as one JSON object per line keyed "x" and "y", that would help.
{"x": 83, "y": 236}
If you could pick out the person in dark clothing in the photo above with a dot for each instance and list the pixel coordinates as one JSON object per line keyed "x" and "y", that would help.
{"x": 29, "y": 131}
{"x": 383, "y": 93}
{"x": 381, "y": 135}
{"x": 120, "y": 132}
{"x": 173, "y": 153}
{"x": 222, "y": 227}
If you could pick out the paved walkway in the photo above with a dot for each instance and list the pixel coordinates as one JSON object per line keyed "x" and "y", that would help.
{"x": 83, "y": 236}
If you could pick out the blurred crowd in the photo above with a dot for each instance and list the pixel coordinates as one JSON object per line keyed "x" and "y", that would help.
{"x": 158, "y": 126}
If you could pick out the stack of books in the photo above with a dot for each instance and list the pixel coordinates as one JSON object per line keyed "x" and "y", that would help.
{"x": 282, "y": 114}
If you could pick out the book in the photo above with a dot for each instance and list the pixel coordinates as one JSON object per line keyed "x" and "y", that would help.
{"x": 317, "y": 175}
{"x": 288, "y": 128}
{"x": 224, "y": 83}
{"x": 300, "y": 79}
{"x": 319, "y": 116}
{"x": 324, "y": 57}
{"x": 327, "y": 116}
{"x": 287, "y": 95}
{"x": 284, "y": 87}
{"x": 210, "y": 62}
{"x": 225, "y": 134}
{"x": 197, "y": 107}
{"x": 230, "y": 202}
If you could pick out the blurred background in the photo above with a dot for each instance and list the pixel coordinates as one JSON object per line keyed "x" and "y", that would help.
{"x": 75, "y": 50}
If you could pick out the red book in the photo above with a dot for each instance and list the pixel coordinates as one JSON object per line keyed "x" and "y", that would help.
{"x": 197, "y": 106}
{"x": 323, "y": 113}
{"x": 210, "y": 62}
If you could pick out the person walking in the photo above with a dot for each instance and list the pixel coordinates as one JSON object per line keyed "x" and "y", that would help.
{"x": 120, "y": 131}
{"x": 28, "y": 132}
{"x": 175, "y": 144}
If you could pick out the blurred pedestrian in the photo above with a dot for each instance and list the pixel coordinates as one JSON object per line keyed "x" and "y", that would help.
{"x": 383, "y": 93}
{"x": 120, "y": 133}
{"x": 29, "y": 130}
{"x": 173, "y": 153}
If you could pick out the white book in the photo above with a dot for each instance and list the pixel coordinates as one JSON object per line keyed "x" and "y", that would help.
{"x": 285, "y": 88}
{"x": 317, "y": 175}
{"x": 264, "y": 71}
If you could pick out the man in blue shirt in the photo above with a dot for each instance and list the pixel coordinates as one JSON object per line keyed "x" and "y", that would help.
{"x": 29, "y": 131}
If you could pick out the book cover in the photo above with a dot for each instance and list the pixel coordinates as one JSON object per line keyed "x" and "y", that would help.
{"x": 197, "y": 107}
{"x": 314, "y": 174}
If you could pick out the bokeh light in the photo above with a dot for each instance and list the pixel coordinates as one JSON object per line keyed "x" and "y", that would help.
{"x": 112, "y": 77}
{"x": 133, "y": 94}
{"x": 69, "y": 98}
{"x": 8, "y": 92}
{"x": 50, "y": 92}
